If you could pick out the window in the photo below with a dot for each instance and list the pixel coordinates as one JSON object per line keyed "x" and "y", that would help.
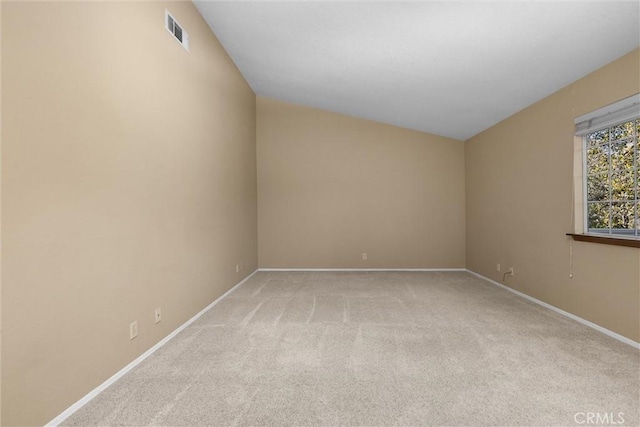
{"x": 611, "y": 158}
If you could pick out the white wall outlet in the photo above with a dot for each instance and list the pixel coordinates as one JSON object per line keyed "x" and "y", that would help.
{"x": 511, "y": 271}
{"x": 158, "y": 315}
{"x": 498, "y": 269}
{"x": 237, "y": 268}
{"x": 364, "y": 256}
{"x": 133, "y": 330}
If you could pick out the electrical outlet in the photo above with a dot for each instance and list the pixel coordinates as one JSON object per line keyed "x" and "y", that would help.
{"x": 158, "y": 315}
{"x": 364, "y": 256}
{"x": 237, "y": 268}
{"x": 511, "y": 271}
{"x": 133, "y": 330}
{"x": 498, "y": 269}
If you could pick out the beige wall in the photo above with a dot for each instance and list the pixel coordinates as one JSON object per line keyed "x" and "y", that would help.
{"x": 519, "y": 182}
{"x": 331, "y": 187}
{"x": 128, "y": 182}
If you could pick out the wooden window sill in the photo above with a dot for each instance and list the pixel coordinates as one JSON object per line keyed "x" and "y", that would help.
{"x": 606, "y": 240}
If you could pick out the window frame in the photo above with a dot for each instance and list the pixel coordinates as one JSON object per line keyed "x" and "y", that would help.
{"x": 611, "y": 232}
{"x": 625, "y": 110}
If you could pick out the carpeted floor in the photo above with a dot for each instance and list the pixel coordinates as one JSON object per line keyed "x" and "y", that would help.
{"x": 379, "y": 348}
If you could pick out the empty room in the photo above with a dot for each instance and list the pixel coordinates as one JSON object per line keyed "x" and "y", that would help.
{"x": 252, "y": 213}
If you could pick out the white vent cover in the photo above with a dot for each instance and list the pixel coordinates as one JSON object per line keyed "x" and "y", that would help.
{"x": 176, "y": 30}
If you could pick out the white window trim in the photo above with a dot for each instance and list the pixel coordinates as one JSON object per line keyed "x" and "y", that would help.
{"x": 619, "y": 112}
{"x": 579, "y": 186}
{"x": 609, "y": 115}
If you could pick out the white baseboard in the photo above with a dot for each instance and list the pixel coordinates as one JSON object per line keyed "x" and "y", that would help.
{"x": 93, "y": 393}
{"x": 585, "y": 322}
{"x": 362, "y": 269}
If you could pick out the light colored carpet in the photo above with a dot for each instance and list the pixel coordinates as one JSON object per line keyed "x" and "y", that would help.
{"x": 379, "y": 348}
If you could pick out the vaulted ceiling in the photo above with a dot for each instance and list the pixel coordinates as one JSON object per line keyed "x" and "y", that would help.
{"x": 448, "y": 68}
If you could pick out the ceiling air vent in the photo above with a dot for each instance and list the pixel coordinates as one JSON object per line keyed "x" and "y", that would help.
{"x": 176, "y": 30}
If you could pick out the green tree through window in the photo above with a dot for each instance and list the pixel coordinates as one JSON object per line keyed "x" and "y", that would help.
{"x": 612, "y": 183}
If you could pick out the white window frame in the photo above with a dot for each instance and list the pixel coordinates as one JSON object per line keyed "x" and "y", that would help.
{"x": 614, "y": 114}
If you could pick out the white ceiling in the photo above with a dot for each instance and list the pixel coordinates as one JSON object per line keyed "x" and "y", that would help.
{"x": 449, "y": 68}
